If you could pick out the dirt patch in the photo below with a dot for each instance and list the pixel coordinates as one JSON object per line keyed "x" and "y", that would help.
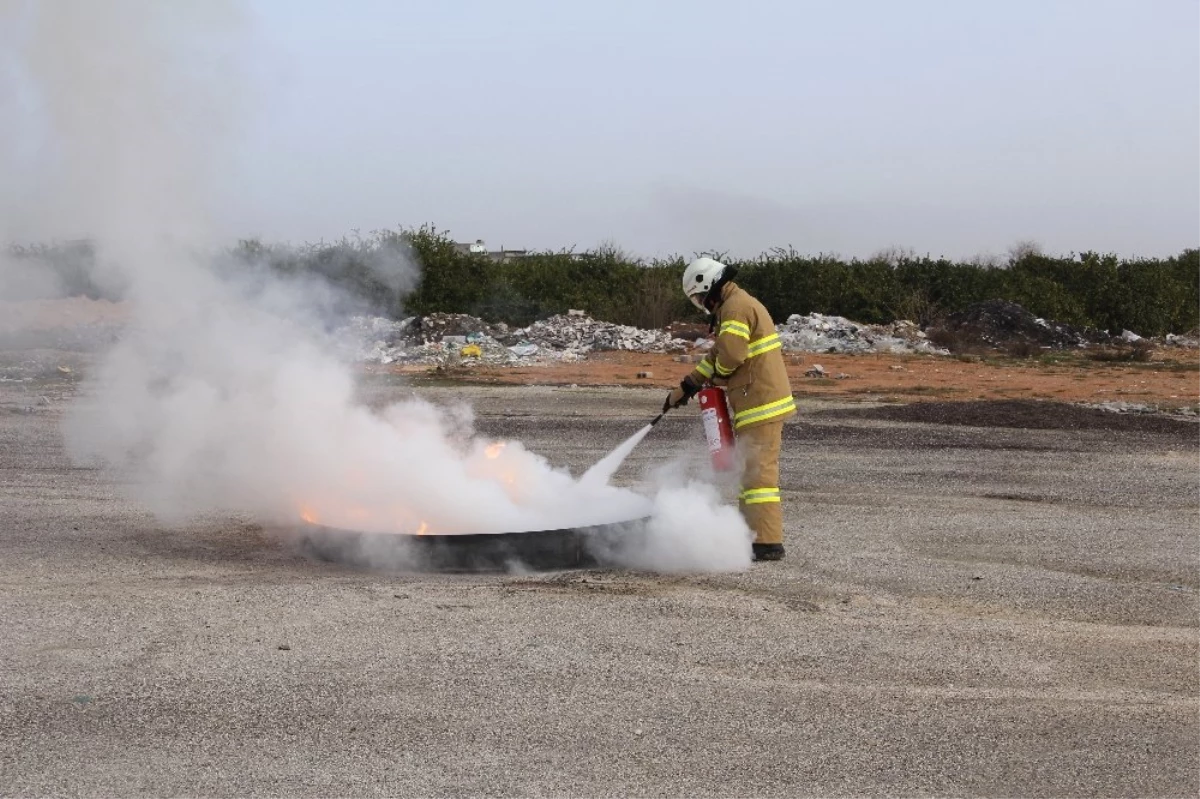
{"x": 1022, "y": 414}
{"x": 1169, "y": 381}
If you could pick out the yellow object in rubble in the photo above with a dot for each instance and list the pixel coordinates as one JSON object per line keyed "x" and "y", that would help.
{"x": 471, "y": 351}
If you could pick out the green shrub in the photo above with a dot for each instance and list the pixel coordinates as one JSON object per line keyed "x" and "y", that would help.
{"x": 1149, "y": 296}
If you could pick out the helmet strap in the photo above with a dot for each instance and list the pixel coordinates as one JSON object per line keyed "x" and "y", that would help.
{"x": 713, "y": 298}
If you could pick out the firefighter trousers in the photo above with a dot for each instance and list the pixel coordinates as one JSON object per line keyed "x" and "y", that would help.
{"x": 759, "y": 501}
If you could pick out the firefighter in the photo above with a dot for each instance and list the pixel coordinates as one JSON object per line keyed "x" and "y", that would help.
{"x": 748, "y": 361}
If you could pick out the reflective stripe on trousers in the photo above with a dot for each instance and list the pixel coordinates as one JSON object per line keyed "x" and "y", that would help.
{"x": 757, "y": 496}
{"x": 760, "y": 499}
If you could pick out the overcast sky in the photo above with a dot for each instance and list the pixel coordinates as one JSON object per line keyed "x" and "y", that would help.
{"x": 950, "y": 127}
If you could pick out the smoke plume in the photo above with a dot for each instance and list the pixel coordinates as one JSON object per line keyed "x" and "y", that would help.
{"x": 224, "y": 392}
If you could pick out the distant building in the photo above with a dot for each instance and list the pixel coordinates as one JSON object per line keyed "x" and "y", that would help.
{"x": 500, "y": 256}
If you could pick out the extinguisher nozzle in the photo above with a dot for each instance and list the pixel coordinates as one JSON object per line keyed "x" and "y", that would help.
{"x": 657, "y": 419}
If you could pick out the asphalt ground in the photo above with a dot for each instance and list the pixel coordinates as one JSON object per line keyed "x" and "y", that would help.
{"x": 971, "y": 605}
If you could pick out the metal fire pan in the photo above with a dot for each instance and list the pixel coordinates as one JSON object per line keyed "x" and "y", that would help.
{"x": 536, "y": 550}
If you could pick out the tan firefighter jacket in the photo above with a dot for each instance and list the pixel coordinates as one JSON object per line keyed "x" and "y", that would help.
{"x": 747, "y": 360}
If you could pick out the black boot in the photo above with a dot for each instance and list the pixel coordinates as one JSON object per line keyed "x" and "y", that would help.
{"x": 768, "y": 551}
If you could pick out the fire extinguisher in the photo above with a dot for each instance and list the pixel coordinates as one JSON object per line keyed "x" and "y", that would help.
{"x": 718, "y": 427}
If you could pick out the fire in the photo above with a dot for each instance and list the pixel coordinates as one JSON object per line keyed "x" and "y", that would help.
{"x": 506, "y": 474}
{"x": 358, "y": 517}
{"x": 353, "y": 509}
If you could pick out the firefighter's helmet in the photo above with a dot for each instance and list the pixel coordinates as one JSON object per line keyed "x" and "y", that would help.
{"x": 700, "y": 277}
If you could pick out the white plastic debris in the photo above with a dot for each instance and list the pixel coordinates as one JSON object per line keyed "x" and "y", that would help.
{"x": 1121, "y": 407}
{"x": 582, "y": 334}
{"x": 1189, "y": 342}
{"x": 819, "y": 333}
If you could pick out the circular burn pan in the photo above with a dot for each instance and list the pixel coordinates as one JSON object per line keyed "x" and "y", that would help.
{"x": 536, "y": 550}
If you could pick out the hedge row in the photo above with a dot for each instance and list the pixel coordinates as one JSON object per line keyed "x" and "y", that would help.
{"x": 1148, "y": 296}
{"x": 1151, "y": 296}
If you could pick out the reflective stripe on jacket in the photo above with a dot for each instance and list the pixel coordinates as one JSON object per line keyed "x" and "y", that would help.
{"x": 748, "y": 360}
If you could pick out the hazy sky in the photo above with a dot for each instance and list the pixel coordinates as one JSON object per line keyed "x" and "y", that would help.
{"x": 950, "y": 127}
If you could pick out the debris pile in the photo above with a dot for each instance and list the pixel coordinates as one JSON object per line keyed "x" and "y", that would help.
{"x": 451, "y": 350}
{"x": 1004, "y": 325}
{"x": 818, "y": 333}
{"x": 374, "y": 339}
{"x": 1189, "y": 341}
{"x": 436, "y": 326}
{"x": 581, "y": 334}
{"x": 378, "y": 328}
{"x": 452, "y": 339}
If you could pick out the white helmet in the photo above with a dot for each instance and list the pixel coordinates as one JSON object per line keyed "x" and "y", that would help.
{"x": 699, "y": 277}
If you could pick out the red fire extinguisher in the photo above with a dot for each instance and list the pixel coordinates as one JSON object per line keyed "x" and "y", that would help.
{"x": 718, "y": 427}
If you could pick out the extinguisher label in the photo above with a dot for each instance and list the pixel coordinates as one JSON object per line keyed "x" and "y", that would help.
{"x": 712, "y": 429}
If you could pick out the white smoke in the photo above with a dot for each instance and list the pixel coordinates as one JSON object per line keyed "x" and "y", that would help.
{"x": 225, "y": 393}
{"x": 689, "y": 531}
{"x": 22, "y": 279}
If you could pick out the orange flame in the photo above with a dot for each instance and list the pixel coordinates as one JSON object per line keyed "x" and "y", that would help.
{"x": 493, "y": 450}
{"x": 356, "y": 516}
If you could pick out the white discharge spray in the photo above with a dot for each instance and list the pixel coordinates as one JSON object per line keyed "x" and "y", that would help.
{"x": 224, "y": 393}
{"x": 607, "y": 466}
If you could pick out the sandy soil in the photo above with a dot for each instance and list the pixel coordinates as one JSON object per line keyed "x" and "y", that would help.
{"x": 1170, "y": 380}
{"x": 972, "y": 605}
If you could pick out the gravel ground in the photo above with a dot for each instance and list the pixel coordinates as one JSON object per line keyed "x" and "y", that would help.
{"x": 966, "y": 609}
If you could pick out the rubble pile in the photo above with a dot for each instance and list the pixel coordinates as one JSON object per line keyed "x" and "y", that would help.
{"x": 408, "y": 347}
{"x": 438, "y": 325}
{"x": 578, "y": 333}
{"x": 454, "y": 339}
{"x": 449, "y": 339}
{"x": 818, "y": 333}
{"x": 373, "y": 339}
{"x": 379, "y": 328}
{"x": 1189, "y": 341}
{"x": 1003, "y": 325}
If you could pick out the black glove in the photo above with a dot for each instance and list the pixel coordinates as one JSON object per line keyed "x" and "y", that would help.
{"x": 682, "y": 395}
